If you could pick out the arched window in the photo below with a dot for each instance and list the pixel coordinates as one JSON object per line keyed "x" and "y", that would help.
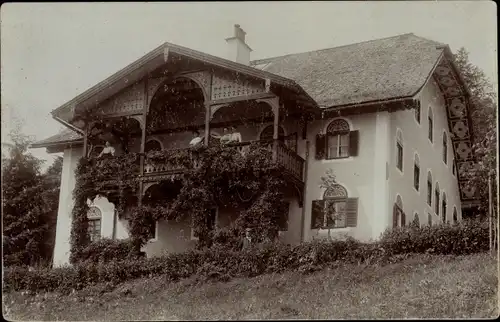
{"x": 431, "y": 125}
{"x": 437, "y": 193}
{"x": 94, "y": 217}
{"x": 268, "y": 132}
{"x": 335, "y": 210}
{"x": 335, "y": 207}
{"x": 338, "y": 139}
{"x": 443, "y": 210}
{"x": 429, "y": 188}
{"x": 445, "y": 148}
{"x": 152, "y": 145}
{"x": 398, "y": 219}
{"x": 416, "y": 172}
{"x": 429, "y": 219}
{"x": 399, "y": 150}
{"x": 417, "y": 111}
{"x": 455, "y": 215}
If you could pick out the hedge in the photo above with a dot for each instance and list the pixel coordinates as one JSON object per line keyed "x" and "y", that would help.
{"x": 221, "y": 263}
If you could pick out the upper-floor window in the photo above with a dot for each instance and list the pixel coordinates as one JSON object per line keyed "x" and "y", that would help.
{"x": 431, "y": 125}
{"x": 335, "y": 210}
{"x": 398, "y": 215}
{"x": 416, "y": 172}
{"x": 436, "y": 199}
{"x": 339, "y": 141}
{"x": 443, "y": 210}
{"x": 94, "y": 223}
{"x": 445, "y": 148}
{"x": 152, "y": 145}
{"x": 429, "y": 188}
{"x": 417, "y": 111}
{"x": 399, "y": 150}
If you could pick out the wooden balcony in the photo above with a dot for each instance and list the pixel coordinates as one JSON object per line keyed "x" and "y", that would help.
{"x": 288, "y": 160}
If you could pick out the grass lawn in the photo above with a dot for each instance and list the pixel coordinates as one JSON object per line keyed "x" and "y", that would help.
{"x": 419, "y": 287}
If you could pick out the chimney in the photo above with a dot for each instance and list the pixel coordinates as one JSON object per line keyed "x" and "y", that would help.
{"x": 238, "y": 50}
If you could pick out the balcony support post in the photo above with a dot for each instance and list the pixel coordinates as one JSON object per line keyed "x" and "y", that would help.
{"x": 208, "y": 114}
{"x": 145, "y": 108}
{"x": 276, "y": 112}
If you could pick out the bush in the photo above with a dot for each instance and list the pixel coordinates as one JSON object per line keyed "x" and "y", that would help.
{"x": 105, "y": 250}
{"x": 219, "y": 263}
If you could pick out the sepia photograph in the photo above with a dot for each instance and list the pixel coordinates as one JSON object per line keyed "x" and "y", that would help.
{"x": 267, "y": 160}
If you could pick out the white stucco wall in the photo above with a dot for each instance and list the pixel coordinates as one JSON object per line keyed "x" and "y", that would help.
{"x": 64, "y": 212}
{"x": 415, "y": 137}
{"x": 357, "y": 174}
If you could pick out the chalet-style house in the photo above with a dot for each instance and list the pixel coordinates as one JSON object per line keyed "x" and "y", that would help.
{"x": 390, "y": 117}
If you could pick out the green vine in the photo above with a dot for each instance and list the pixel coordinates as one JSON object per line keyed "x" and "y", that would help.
{"x": 220, "y": 177}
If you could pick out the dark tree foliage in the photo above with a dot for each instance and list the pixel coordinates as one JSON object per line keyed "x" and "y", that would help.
{"x": 483, "y": 115}
{"x": 29, "y": 205}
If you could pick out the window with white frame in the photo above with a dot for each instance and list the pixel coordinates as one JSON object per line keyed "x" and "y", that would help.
{"x": 445, "y": 148}
{"x": 335, "y": 210}
{"x": 399, "y": 150}
{"x": 94, "y": 217}
{"x": 443, "y": 210}
{"x": 398, "y": 216}
{"x": 338, "y": 139}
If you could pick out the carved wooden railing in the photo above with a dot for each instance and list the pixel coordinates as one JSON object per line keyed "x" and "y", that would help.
{"x": 285, "y": 157}
{"x": 290, "y": 160}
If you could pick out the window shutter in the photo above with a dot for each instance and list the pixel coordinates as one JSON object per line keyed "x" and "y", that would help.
{"x": 351, "y": 210}
{"x": 317, "y": 214}
{"x": 320, "y": 146}
{"x": 353, "y": 143}
{"x": 394, "y": 216}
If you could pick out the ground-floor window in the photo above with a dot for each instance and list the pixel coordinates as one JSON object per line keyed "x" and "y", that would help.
{"x": 94, "y": 223}
{"x": 336, "y": 210}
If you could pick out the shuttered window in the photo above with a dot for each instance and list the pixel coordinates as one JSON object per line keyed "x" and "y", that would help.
{"x": 336, "y": 210}
{"x": 339, "y": 141}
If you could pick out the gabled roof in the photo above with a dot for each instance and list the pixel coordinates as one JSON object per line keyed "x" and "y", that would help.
{"x": 66, "y": 136}
{"x": 371, "y": 71}
{"x": 381, "y": 69}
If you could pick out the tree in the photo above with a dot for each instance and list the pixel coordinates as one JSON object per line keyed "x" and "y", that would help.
{"x": 483, "y": 109}
{"x": 28, "y": 203}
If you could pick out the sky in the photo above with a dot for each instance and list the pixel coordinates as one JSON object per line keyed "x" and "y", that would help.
{"x": 52, "y": 52}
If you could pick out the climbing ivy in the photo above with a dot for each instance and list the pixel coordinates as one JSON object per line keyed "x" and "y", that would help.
{"x": 214, "y": 176}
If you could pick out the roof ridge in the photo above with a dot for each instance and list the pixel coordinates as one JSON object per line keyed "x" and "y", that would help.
{"x": 265, "y": 60}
